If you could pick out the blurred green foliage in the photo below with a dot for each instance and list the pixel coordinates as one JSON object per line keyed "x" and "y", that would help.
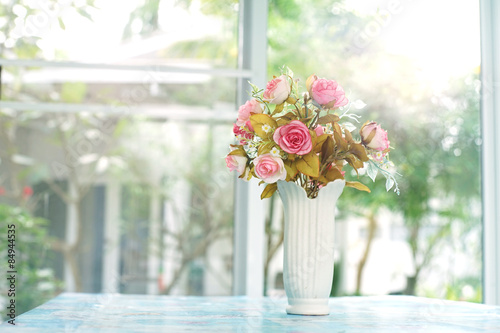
{"x": 35, "y": 283}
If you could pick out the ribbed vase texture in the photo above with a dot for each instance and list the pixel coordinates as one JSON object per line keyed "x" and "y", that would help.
{"x": 309, "y": 246}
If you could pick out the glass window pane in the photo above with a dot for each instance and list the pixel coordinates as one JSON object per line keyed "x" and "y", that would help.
{"x": 126, "y": 32}
{"x": 413, "y": 67}
{"x": 116, "y": 176}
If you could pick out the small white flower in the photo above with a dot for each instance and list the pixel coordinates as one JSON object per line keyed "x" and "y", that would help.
{"x": 275, "y": 152}
{"x": 328, "y": 129}
{"x": 266, "y": 128}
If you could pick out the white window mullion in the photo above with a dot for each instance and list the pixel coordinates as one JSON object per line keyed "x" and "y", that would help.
{"x": 111, "y": 253}
{"x": 149, "y": 69}
{"x": 249, "y": 225}
{"x": 490, "y": 114}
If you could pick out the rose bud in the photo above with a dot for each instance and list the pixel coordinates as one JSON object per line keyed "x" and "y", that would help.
{"x": 277, "y": 90}
{"x": 374, "y": 137}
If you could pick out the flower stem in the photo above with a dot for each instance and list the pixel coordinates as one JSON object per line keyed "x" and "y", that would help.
{"x": 313, "y": 123}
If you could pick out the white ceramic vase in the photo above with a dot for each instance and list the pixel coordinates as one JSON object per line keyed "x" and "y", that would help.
{"x": 309, "y": 246}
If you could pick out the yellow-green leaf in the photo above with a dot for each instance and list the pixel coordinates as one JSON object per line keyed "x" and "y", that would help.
{"x": 340, "y": 142}
{"x": 359, "y": 151}
{"x": 333, "y": 174}
{"x": 319, "y": 142}
{"x": 305, "y": 120}
{"x": 61, "y": 24}
{"x": 266, "y": 147}
{"x": 289, "y": 116}
{"x": 354, "y": 162}
{"x": 238, "y": 152}
{"x": 309, "y": 165}
{"x": 269, "y": 190}
{"x": 278, "y": 108}
{"x": 329, "y": 118}
{"x": 337, "y": 129}
{"x": 252, "y": 171}
{"x": 285, "y": 119}
{"x": 358, "y": 186}
{"x": 263, "y": 125}
{"x": 291, "y": 169}
{"x": 327, "y": 148}
{"x": 348, "y": 136}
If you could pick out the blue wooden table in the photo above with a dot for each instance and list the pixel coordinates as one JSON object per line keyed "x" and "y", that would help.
{"x": 96, "y": 313}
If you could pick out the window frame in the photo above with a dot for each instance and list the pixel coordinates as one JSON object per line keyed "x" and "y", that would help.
{"x": 249, "y": 225}
{"x": 248, "y": 259}
{"x": 490, "y": 122}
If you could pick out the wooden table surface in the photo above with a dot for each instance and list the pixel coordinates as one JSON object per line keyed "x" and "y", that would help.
{"x": 96, "y": 313}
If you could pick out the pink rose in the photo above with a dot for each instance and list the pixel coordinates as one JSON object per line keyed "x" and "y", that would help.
{"x": 269, "y": 168}
{"x": 294, "y": 138}
{"x": 374, "y": 137}
{"x": 236, "y": 163}
{"x": 319, "y": 130}
{"x": 246, "y": 110}
{"x": 328, "y": 93}
{"x": 277, "y": 90}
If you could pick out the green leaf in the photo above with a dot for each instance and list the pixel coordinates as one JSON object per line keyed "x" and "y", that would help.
{"x": 389, "y": 183}
{"x": 255, "y": 89}
{"x": 61, "y": 23}
{"x": 84, "y": 13}
{"x": 372, "y": 171}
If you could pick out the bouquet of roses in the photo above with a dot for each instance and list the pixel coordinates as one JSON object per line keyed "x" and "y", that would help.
{"x": 305, "y": 138}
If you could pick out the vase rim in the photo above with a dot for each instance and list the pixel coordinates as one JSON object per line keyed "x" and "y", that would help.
{"x": 339, "y": 185}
